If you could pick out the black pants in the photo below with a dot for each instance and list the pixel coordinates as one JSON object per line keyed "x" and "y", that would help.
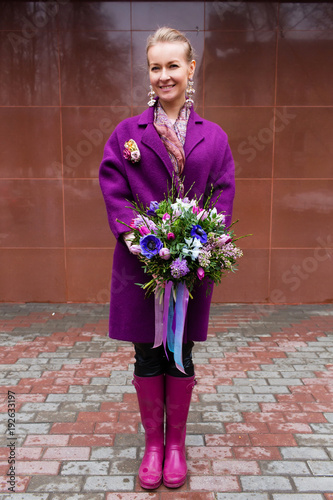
{"x": 153, "y": 362}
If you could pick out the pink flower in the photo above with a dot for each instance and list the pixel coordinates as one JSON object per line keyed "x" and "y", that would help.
{"x": 135, "y": 249}
{"x": 164, "y": 253}
{"x": 143, "y": 230}
{"x": 195, "y": 210}
{"x": 166, "y": 217}
{"x": 135, "y": 156}
{"x": 127, "y": 154}
{"x": 170, "y": 236}
{"x": 200, "y": 273}
{"x": 223, "y": 240}
{"x": 202, "y": 215}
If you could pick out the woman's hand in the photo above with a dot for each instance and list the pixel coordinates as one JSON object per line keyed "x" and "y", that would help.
{"x": 128, "y": 238}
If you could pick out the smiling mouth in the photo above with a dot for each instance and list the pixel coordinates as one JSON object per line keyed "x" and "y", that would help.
{"x": 166, "y": 87}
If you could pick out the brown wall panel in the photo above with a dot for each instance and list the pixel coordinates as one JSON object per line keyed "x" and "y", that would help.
{"x": 71, "y": 71}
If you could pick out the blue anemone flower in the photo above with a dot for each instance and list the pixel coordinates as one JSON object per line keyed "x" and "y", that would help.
{"x": 150, "y": 245}
{"x": 198, "y": 232}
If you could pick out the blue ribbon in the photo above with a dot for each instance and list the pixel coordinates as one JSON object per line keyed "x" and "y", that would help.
{"x": 174, "y": 315}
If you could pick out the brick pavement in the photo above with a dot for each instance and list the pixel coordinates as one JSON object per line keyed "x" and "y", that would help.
{"x": 260, "y": 425}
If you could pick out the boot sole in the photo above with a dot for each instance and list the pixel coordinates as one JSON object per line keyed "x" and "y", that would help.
{"x": 148, "y": 486}
{"x": 174, "y": 485}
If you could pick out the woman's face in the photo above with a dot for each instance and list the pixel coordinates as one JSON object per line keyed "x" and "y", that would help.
{"x": 169, "y": 72}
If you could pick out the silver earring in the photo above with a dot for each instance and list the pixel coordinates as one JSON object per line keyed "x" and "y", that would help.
{"x": 151, "y": 95}
{"x": 189, "y": 93}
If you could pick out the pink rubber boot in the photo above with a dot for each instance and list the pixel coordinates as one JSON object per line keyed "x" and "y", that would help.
{"x": 178, "y": 392}
{"x": 150, "y": 392}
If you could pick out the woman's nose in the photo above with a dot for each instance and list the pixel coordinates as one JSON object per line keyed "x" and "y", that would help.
{"x": 164, "y": 74}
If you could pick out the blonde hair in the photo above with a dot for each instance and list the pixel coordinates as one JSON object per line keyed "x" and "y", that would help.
{"x": 170, "y": 35}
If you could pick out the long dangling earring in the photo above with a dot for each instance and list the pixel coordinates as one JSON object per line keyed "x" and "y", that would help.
{"x": 151, "y": 95}
{"x": 189, "y": 93}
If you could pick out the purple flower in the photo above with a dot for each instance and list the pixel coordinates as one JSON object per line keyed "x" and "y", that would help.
{"x": 154, "y": 205}
{"x": 198, "y": 232}
{"x": 150, "y": 245}
{"x": 179, "y": 268}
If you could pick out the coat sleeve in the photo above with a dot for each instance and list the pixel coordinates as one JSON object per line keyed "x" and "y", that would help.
{"x": 115, "y": 186}
{"x": 223, "y": 179}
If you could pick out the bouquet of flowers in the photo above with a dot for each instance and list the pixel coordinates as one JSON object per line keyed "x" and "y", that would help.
{"x": 179, "y": 244}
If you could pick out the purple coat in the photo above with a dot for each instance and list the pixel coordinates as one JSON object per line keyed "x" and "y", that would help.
{"x": 208, "y": 161}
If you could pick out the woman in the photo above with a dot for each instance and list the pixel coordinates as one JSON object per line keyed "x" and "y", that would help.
{"x": 173, "y": 141}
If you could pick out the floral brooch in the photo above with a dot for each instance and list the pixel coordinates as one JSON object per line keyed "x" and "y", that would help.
{"x": 131, "y": 151}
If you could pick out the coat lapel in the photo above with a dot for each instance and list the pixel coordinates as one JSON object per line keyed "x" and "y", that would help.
{"x": 194, "y": 133}
{"x": 151, "y": 139}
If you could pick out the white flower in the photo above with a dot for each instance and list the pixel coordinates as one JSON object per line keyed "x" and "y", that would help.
{"x": 192, "y": 248}
{"x": 183, "y": 205}
{"x": 213, "y": 213}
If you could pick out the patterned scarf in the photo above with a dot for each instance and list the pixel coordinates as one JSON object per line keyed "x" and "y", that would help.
{"x": 173, "y": 137}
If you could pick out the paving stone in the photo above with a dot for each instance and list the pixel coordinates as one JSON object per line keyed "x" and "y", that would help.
{"x": 61, "y": 416}
{"x": 25, "y": 496}
{"x": 64, "y": 397}
{"x": 314, "y": 484}
{"x": 85, "y": 468}
{"x": 329, "y": 416}
{"x": 40, "y": 407}
{"x": 221, "y": 416}
{"x": 314, "y": 440}
{"x": 53, "y": 484}
{"x": 40, "y": 428}
{"x": 114, "y": 483}
{"x": 242, "y": 496}
{"x": 77, "y": 496}
{"x": 204, "y": 427}
{"x": 285, "y": 381}
{"x": 278, "y": 389}
{"x": 125, "y": 466}
{"x": 297, "y": 496}
{"x": 226, "y": 389}
{"x": 284, "y": 467}
{"x": 258, "y": 398}
{"x": 323, "y": 428}
{"x": 321, "y": 468}
{"x": 194, "y": 440}
{"x": 108, "y": 453}
{"x": 265, "y": 483}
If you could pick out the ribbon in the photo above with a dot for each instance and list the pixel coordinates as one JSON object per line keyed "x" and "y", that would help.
{"x": 180, "y": 313}
{"x": 170, "y": 315}
{"x": 167, "y": 299}
{"x": 158, "y": 318}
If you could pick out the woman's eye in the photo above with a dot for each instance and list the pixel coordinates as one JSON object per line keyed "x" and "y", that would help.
{"x": 154, "y": 68}
{"x": 174, "y": 66}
